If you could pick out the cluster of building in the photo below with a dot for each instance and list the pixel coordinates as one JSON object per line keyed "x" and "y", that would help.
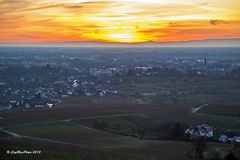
{"x": 203, "y": 130}
{"x": 50, "y": 95}
{"x": 42, "y": 81}
{"x": 111, "y": 71}
{"x": 229, "y": 137}
{"x": 207, "y": 132}
{"x": 26, "y": 99}
{"x": 193, "y": 66}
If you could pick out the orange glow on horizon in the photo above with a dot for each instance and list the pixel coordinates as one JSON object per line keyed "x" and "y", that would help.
{"x": 128, "y": 21}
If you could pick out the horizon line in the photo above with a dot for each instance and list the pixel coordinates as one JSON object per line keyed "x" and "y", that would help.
{"x": 235, "y": 42}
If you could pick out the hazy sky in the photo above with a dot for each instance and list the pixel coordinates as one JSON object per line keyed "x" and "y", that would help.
{"x": 118, "y": 20}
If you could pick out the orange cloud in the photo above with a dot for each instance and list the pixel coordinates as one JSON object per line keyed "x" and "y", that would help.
{"x": 118, "y": 20}
{"x": 218, "y": 22}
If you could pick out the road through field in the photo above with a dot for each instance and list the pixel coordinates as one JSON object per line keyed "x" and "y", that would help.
{"x": 195, "y": 110}
{"x": 126, "y": 155}
{"x": 15, "y": 135}
{"x": 69, "y": 120}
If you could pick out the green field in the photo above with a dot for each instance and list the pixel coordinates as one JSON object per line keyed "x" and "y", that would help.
{"x": 222, "y": 109}
{"x": 72, "y": 127}
{"x": 194, "y": 91}
{"x": 95, "y": 139}
{"x": 71, "y": 132}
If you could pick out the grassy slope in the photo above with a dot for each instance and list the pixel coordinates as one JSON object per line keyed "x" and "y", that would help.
{"x": 222, "y": 109}
{"x": 198, "y": 91}
{"x": 76, "y": 133}
{"x": 72, "y": 132}
{"x": 97, "y": 139}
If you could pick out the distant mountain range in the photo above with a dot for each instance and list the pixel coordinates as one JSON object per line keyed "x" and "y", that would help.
{"x": 192, "y": 43}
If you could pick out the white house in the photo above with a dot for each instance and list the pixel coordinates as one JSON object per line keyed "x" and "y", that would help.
{"x": 231, "y": 139}
{"x": 50, "y": 105}
{"x": 223, "y": 138}
{"x": 202, "y": 130}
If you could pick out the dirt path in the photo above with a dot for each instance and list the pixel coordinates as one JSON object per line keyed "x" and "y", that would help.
{"x": 195, "y": 110}
{"x": 69, "y": 120}
{"x": 107, "y": 152}
{"x": 16, "y": 135}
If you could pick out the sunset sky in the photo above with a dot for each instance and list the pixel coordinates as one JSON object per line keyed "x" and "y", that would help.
{"x": 30, "y": 21}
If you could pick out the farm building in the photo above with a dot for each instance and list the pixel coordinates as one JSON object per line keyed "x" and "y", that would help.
{"x": 202, "y": 130}
{"x": 229, "y": 139}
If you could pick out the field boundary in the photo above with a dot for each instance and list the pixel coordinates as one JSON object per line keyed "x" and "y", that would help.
{"x": 98, "y": 153}
{"x": 195, "y": 110}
